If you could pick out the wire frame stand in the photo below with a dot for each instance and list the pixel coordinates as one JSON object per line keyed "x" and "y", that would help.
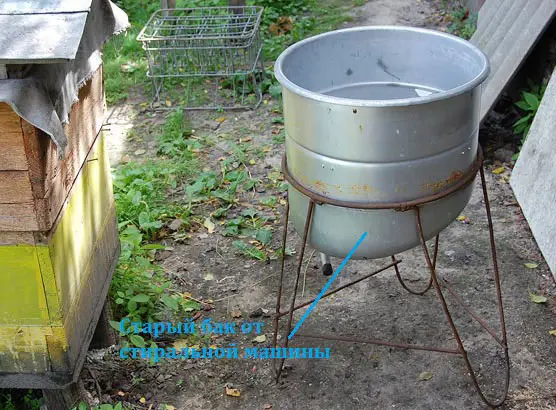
{"x": 436, "y": 281}
{"x": 207, "y": 57}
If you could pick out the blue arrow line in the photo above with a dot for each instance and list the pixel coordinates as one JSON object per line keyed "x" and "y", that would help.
{"x": 323, "y": 291}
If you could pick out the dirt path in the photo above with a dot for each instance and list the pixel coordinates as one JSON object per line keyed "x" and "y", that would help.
{"x": 356, "y": 376}
{"x": 415, "y": 13}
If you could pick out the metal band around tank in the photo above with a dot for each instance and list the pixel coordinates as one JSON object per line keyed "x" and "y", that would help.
{"x": 466, "y": 179}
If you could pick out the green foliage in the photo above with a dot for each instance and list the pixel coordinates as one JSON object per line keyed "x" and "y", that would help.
{"x": 124, "y": 60}
{"x": 250, "y": 251}
{"x": 528, "y": 105}
{"x": 139, "y": 289}
{"x": 20, "y": 400}
{"x": 125, "y": 63}
{"x": 463, "y": 22}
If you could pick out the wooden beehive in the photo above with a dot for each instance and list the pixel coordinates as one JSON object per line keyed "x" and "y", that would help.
{"x": 58, "y": 243}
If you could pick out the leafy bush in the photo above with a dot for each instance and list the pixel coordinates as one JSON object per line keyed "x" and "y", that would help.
{"x": 463, "y": 22}
{"x": 140, "y": 290}
{"x": 529, "y": 105}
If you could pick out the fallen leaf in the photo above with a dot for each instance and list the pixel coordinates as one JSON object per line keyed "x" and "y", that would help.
{"x": 461, "y": 218}
{"x": 236, "y": 314}
{"x": 552, "y": 332}
{"x": 424, "y": 376}
{"x": 221, "y": 119}
{"x": 168, "y": 103}
{"x": 121, "y": 394}
{"x": 232, "y": 392}
{"x": 531, "y": 265}
{"x": 260, "y": 339}
{"x": 180, "y": 344}
{"x": 209, "y": 225}
{"x": 213, "y": 347}
{"x": 140, "y": 152}
{"x": 498, "y": 171}
{"x": 537, "y": 298}
{"x": 142, "y": 400}
{"x": 169, "y": 407}
{"x": 208, "y": 276}
{"x": 252, "y": 162}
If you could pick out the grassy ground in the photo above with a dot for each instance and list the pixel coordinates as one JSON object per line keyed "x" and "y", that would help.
{"x": 179, "y": 190}
{"x": 146, "y": 191}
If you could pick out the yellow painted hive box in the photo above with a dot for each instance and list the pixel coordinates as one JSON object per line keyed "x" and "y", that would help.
{"x": 58, "y": 243}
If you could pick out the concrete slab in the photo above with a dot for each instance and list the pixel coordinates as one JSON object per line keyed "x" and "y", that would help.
{"x": 534, "y": 176}
{"x": 507, "y": 30}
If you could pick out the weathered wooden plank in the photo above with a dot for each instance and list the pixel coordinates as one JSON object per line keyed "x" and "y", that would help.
{"x": 22, "y": 298}
{"x": 83, "y": 317}
{"x": 12, "y": 154}
{"x": 15, "y": 187}
{"x": 35, "y": 144}
{"x": 76, "y": 269}
{"x": 51, "y": 177}
{"x": 80, "y": 224}
{"x": 17, "y": 238}
{"x": 18, "y": 217}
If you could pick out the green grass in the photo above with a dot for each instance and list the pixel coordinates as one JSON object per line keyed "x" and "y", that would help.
{"x": 140, "y": 289}
{"x": 125, "y": 64}
{"x": 179, "y": 182}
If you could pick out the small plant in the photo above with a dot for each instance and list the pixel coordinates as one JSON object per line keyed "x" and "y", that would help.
{"x": 20, "y": 400}
{"x": 250, "y": 251}
{"x": 463, "y": 22}
{"x": 529, "y": 105}
{"x": 140, "y": 290}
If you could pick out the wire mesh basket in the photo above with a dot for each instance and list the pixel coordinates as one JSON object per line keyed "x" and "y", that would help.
{"x": 206, "y": 57}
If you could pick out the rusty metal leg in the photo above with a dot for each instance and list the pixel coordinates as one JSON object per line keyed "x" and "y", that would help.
{"x": 281, "y": 282}
{"x": 429, "y": 285}
{"x": 296, "y": 286}
{"x": 448, "y": 315}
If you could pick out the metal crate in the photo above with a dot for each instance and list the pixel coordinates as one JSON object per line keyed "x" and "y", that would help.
{"x": 207, "y": 57}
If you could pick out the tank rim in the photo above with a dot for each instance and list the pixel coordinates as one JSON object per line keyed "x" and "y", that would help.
{"x": 402, "y": 102}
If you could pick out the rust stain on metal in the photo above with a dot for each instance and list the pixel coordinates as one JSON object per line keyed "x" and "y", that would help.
{"x": 321, "y": 186}
{"x": 325, "y": 187}
{"x": 437, "y": 186}
{"x": 361, "y": 189}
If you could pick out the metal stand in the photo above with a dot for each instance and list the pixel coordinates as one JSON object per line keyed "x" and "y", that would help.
{"x": 436, "y": 281}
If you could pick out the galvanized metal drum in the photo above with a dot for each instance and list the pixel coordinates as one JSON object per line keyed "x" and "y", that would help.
{"x": 379, "y": 114}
